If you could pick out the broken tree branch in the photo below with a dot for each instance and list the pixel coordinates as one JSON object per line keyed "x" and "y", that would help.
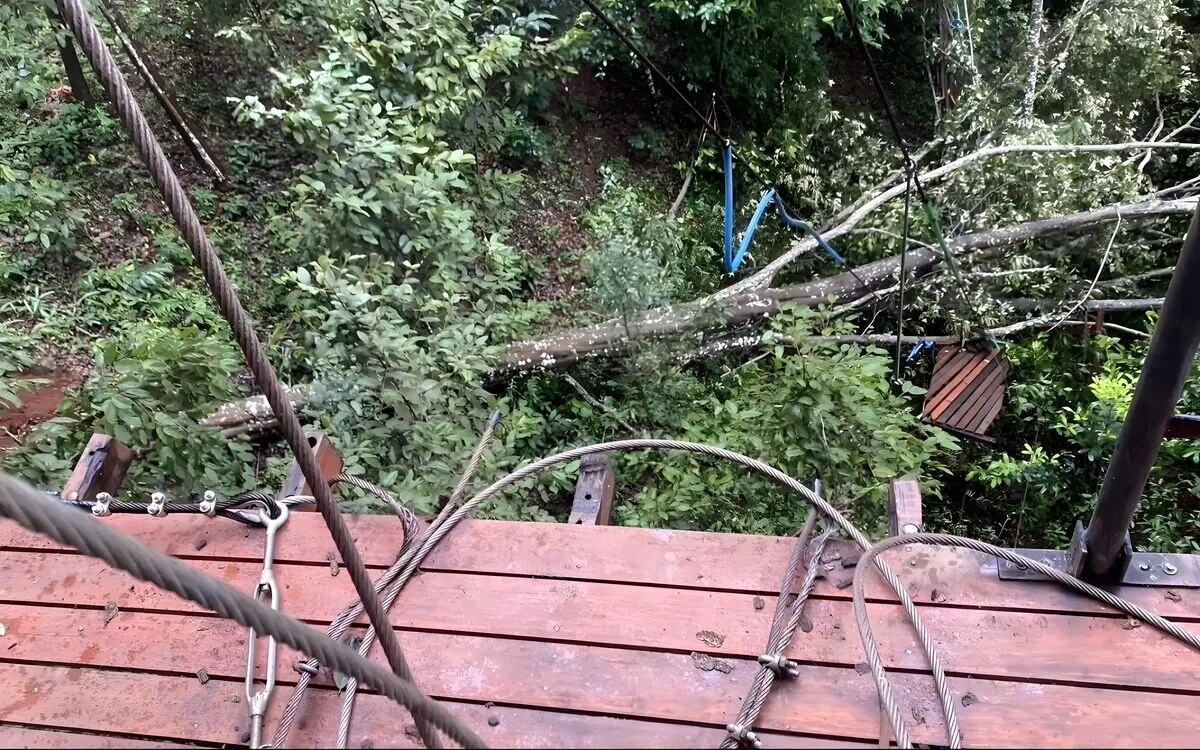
{"x": 702, "y": 319}
{"x": 763, "y": 278}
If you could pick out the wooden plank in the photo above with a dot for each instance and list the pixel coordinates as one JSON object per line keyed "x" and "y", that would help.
{"x": 961, "y": 383}
{"x": 971, "y": 416}
{"x": 101, "y": 468}
{"x": 124, "y": 702}
{"x": 1001, "y": 644}
{"x": 655, "y": 557}
{"x": 976, "y": 391}
{"x": 23, "y": 736}
{"x": 593, "y": 492}
{"x": 946, "y": 373}
{"x": 822, "y": 702}
{"x": 989, "y": 412}
{"x": 904, "y": 507}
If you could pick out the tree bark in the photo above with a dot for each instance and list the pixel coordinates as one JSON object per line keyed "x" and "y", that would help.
{"x": 703, "y": 319}
{"x": 80, "y": 91}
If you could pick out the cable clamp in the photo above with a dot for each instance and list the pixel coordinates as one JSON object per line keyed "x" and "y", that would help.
{"x": 780, "y": 665}
{"x": 208, "y": 504}
{"x": 158, "y": 505}
{"x": 100, "y": 507}
{"x": 743, "y": 735}
{"x": 305, "y": 668}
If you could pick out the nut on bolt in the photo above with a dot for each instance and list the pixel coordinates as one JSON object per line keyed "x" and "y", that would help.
{"x": 1169, "y": 568}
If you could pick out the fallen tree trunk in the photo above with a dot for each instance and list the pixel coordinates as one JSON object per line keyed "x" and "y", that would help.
{"x": 702, "y": 318}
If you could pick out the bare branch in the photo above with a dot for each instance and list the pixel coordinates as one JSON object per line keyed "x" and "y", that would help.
{"x": 1033, "y": 58}
{"x": 1092, "y": 287}
{"x": 763, "y": 278}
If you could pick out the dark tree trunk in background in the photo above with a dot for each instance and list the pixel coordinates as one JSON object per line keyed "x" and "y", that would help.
{"x": 80, "y": 91}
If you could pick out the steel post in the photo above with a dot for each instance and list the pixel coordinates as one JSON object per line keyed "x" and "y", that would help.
{"x": 1172, "y": 350}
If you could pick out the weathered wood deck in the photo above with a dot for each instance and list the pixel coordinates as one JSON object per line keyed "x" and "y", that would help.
{"x": 580, "y": 636}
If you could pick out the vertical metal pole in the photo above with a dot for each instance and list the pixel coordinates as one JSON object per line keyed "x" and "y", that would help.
{"x": 1172, "y": 350}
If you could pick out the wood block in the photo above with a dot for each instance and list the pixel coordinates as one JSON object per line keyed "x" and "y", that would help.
{"x": 593, "y": 492}
{"x": 904, "y": 507}
{"x": 101, "y": 468}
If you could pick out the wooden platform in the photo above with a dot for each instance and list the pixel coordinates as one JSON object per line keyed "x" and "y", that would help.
{"x": 570, "y": 636}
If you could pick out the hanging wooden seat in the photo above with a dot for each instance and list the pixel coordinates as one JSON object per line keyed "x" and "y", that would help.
{"x": 967, "y": 389}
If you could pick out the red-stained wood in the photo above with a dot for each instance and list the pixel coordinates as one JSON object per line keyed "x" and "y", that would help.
{"x": 208, "y": 713}
{"x": 23, "y": 736}
{"x": 993, "y": 714}
{"x": 1036, "y": 646}
{"x": 968, "y": 377}
{"x": 677, "y": 559}
{"x": 977, "y": 394}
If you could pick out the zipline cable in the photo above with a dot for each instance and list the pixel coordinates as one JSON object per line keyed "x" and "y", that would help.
{"x": 83, "y": 26}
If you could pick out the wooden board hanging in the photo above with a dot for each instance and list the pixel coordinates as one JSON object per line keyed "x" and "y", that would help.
{"x": 967, "y": 389}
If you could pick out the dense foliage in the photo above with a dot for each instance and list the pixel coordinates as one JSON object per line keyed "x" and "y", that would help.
{"x": 416, "y": 184}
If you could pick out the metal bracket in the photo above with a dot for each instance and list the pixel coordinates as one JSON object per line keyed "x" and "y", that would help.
{"x": 1145, "y": 568}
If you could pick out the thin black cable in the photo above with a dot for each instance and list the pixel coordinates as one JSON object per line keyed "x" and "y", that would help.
{"x": 650, "y": 64}
{"x": 903, "y": 270}
{"x": 910, "y": 165}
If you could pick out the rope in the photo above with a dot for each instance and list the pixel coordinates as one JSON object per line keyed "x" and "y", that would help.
{"x": 903, "y": 270}
{"x": 352, "y": 611}
{"x": 35, "y": 512}
{"x": 779, "y": 638}
{"x": 410, "y": 566}
{"x": 946, "y": 540}
{"x": 84, "y": 28}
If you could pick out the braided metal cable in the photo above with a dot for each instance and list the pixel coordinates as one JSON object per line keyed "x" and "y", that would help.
{"x": 242, "y": 500}
{"x": 409, "y": 566}
{"x": 32, "y": 510}
{"x": 947, "y": 540}
{"x": 408, "y": 520}
{"x": 777, "y": 642}
{"x": 351, "y": 612}
{"x": 82, "y": 25}
{"x": 889, "y": 576}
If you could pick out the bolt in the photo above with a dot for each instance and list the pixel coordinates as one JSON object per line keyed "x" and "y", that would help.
{"x": 1169, "y": 569}
{"x": 910, "y": 528}
{"x": 1144, "y": 566}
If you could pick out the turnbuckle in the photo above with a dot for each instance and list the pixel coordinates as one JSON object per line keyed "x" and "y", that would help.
{"x": 266, "y": 591}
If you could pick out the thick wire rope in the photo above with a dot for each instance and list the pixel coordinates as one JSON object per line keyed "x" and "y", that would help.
{"x": 409, "y": 567}
{"x": 947, "y": 540}
{"x": 783, "y": 629}
{"x": 34, "y": 511}
{"x": 384, "y": 586}
{"x": 130, "y": 114}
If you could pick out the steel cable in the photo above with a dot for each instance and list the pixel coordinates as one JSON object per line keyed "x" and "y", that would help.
{"x": 910, "y": 609}
{"x": 130, "y": 114}
{"x": 34, "y": 511}
{"x": 947, "y": 540}
{"x": 386, "y": 585}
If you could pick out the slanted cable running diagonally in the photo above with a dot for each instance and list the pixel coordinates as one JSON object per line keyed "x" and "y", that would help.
{"x": 382, "y": 585}
{"x": 130, "y": 114}
{"x": 66, "y": 525}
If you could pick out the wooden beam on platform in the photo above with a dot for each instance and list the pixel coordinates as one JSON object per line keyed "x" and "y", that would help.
{"x": 328, "y": 459}
{"x": 101, "y": 468}
{"x": 1183, "y": 427}
{"x": 904, "y": 507}
{"x": 593, "y": 492}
